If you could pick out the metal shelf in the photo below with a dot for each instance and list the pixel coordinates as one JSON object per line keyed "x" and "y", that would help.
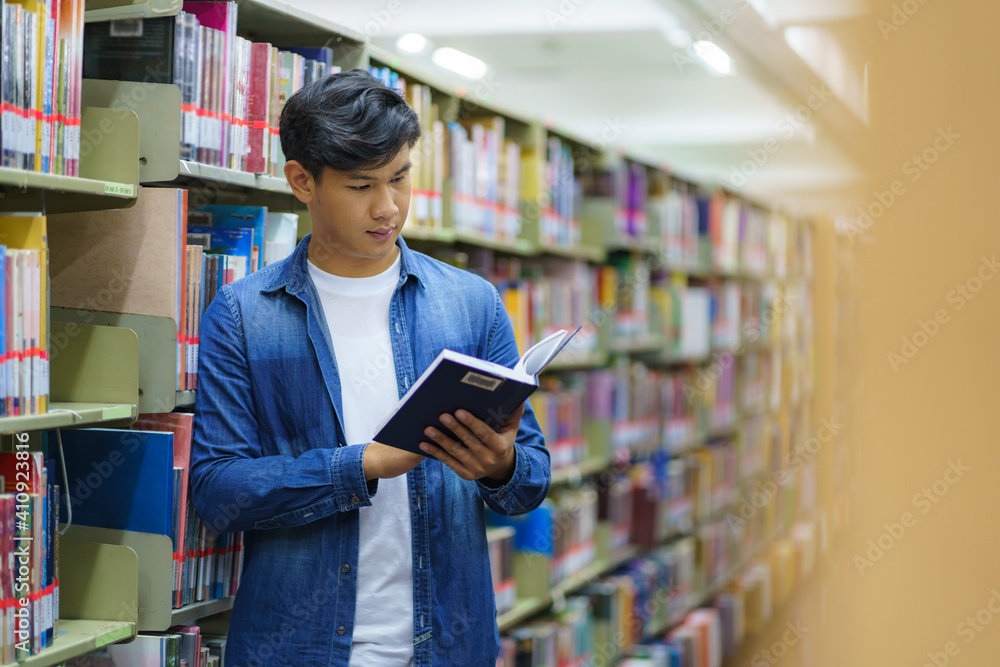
{"x": 188, "y": 614}
{"x": 61, "y": 415}
{"x": 77, "y": 637}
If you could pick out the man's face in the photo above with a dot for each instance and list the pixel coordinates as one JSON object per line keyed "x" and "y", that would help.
{"x": 357, "y": 217}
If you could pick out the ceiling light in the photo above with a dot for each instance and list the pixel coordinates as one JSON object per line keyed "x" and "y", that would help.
{"x": 412, "y": 42}
{"x": 462, "y": 63}
{"x": 710, "y": 54}
{"x": 679, "y": 38}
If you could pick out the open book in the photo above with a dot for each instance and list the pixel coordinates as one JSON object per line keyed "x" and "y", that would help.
{"x": 457, "y": 381}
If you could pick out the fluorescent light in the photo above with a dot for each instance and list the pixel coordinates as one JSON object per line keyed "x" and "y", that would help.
{"x": 679, "y": 38}
{"x": 710, "y": 54}
{"x": 462, "y": 63}
{"x": 412, "y": 42}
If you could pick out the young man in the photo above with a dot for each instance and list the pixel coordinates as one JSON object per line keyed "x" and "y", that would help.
{"x": 356, "y": 553}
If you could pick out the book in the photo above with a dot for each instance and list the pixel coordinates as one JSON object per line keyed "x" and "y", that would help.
{"x": 121, "y": 479}
{"x": 456, "y": 381}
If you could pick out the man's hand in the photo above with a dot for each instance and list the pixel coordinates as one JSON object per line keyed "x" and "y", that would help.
{"x": 481, "y": 452}
{"x": 383, "y": 462}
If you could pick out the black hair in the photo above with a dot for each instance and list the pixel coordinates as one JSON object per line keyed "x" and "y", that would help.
{"x": 348, "y": 121}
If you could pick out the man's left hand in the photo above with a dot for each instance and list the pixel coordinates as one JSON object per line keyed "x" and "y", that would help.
{"x": 481, "y": 452}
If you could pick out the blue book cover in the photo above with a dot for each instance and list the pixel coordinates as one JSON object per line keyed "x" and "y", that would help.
{"x": 704, "y": 206}
{"x": 120, "y": 479}
{"x": 323, "y": 54}
{"x": 228, "y": 241}
{"x": 240, "y": 217}
{"x": 532, "y": 531}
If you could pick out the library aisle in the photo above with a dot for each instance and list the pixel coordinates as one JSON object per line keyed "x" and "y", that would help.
{"x": 771, "y": 440}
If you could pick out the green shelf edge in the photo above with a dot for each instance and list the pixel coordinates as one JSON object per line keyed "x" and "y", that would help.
{"x": 81, "y": 636}
{"x": 89, "y": 413}
{"x": 198, "y": 610}
{"x": 32, "y": 180}
{"x": 525, "y": 609}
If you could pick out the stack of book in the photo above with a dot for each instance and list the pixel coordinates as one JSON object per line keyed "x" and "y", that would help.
{"x": 430, "y": 161}
{"x": 636, "y": 421}
{"x": 630, "y": 194}
{"x": 680, "y": 408}
{"x": 679, "y": 240}
{"x": 614, "y": 515}
{"x": 560, "y": 200}
{"x": 725, "y": 308}
{"x": 149, "y": 494}
{"x": 556, "y": 540}
{"x": 720, "y": 218}
{"x": 562, "y": 640}
{"x": 29, "y": 570}
{"x": 179, "y": 646}
{"x": 24, "y": 347}
{"x": 753, "y": 241}
{"x": 541, "y": 299}
{"x": 633, "y": 321}
{"x": 501, "y": 546}
{"x": 558, "y": 407}
{"x": 40, "y": 85}
{"x": 232, "y": 89}
{"x": 485, "y": 178}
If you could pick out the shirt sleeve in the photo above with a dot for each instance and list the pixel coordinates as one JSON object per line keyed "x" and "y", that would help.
{"x": 234, "y": 486}
{"x": 532, "y": 476}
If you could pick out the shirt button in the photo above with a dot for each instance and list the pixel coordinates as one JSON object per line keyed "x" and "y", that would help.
{"x": 355, "y": 500}
{"x": 341, "y": 630}
{"x": 345, "y": 568}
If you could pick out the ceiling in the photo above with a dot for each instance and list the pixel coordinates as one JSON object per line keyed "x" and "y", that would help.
{"x": 621, "y": 71}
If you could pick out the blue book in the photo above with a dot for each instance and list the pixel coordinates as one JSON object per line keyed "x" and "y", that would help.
{"x": 240, "y": 217}
{"x": 237, "y": 242}
{"x": 704, "y": 206}
{"x": 323, "y": 54}
{"x": 120, "y": 479}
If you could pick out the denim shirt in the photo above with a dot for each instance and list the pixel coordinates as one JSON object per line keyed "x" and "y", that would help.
{"x": 269, "y": 458}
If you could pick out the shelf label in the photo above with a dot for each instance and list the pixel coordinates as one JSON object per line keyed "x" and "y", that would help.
{"x": 120, "y": 189}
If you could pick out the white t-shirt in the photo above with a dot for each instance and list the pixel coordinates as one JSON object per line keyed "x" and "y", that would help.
{"x": 357, "y": 312}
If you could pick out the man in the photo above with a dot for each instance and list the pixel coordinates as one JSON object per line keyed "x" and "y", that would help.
{"x": 356, "y": 553}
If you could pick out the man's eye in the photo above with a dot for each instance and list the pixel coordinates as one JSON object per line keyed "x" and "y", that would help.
{"x": 359, "y": 188}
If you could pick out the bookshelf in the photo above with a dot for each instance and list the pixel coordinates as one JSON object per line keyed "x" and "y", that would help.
{"x": 126, "y": 366}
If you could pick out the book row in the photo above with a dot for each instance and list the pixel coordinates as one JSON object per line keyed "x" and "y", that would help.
{"x": 716, "y": 492}
{"x": 41, "y": 48}
{"x": 179, "y": 646}
{"x": 29, "y": 569}
{"x": 232, "y": 89}
{"x": 653, "y": 611}
{"x": 640, "y": 305}
{"x": 494, "y": 178}
{"x": 144, "y": 488}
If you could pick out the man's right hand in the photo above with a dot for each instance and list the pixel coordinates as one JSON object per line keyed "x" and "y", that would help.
{"x": 384, "y": 462}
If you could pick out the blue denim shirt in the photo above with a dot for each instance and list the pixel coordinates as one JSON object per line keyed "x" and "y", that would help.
{"x": 269, "y": 458}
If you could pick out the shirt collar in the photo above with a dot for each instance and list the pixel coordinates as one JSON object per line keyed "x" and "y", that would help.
{"x": 293, "y": 273}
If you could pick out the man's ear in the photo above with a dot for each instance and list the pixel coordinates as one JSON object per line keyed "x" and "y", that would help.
{"x": 301, "y": 181}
